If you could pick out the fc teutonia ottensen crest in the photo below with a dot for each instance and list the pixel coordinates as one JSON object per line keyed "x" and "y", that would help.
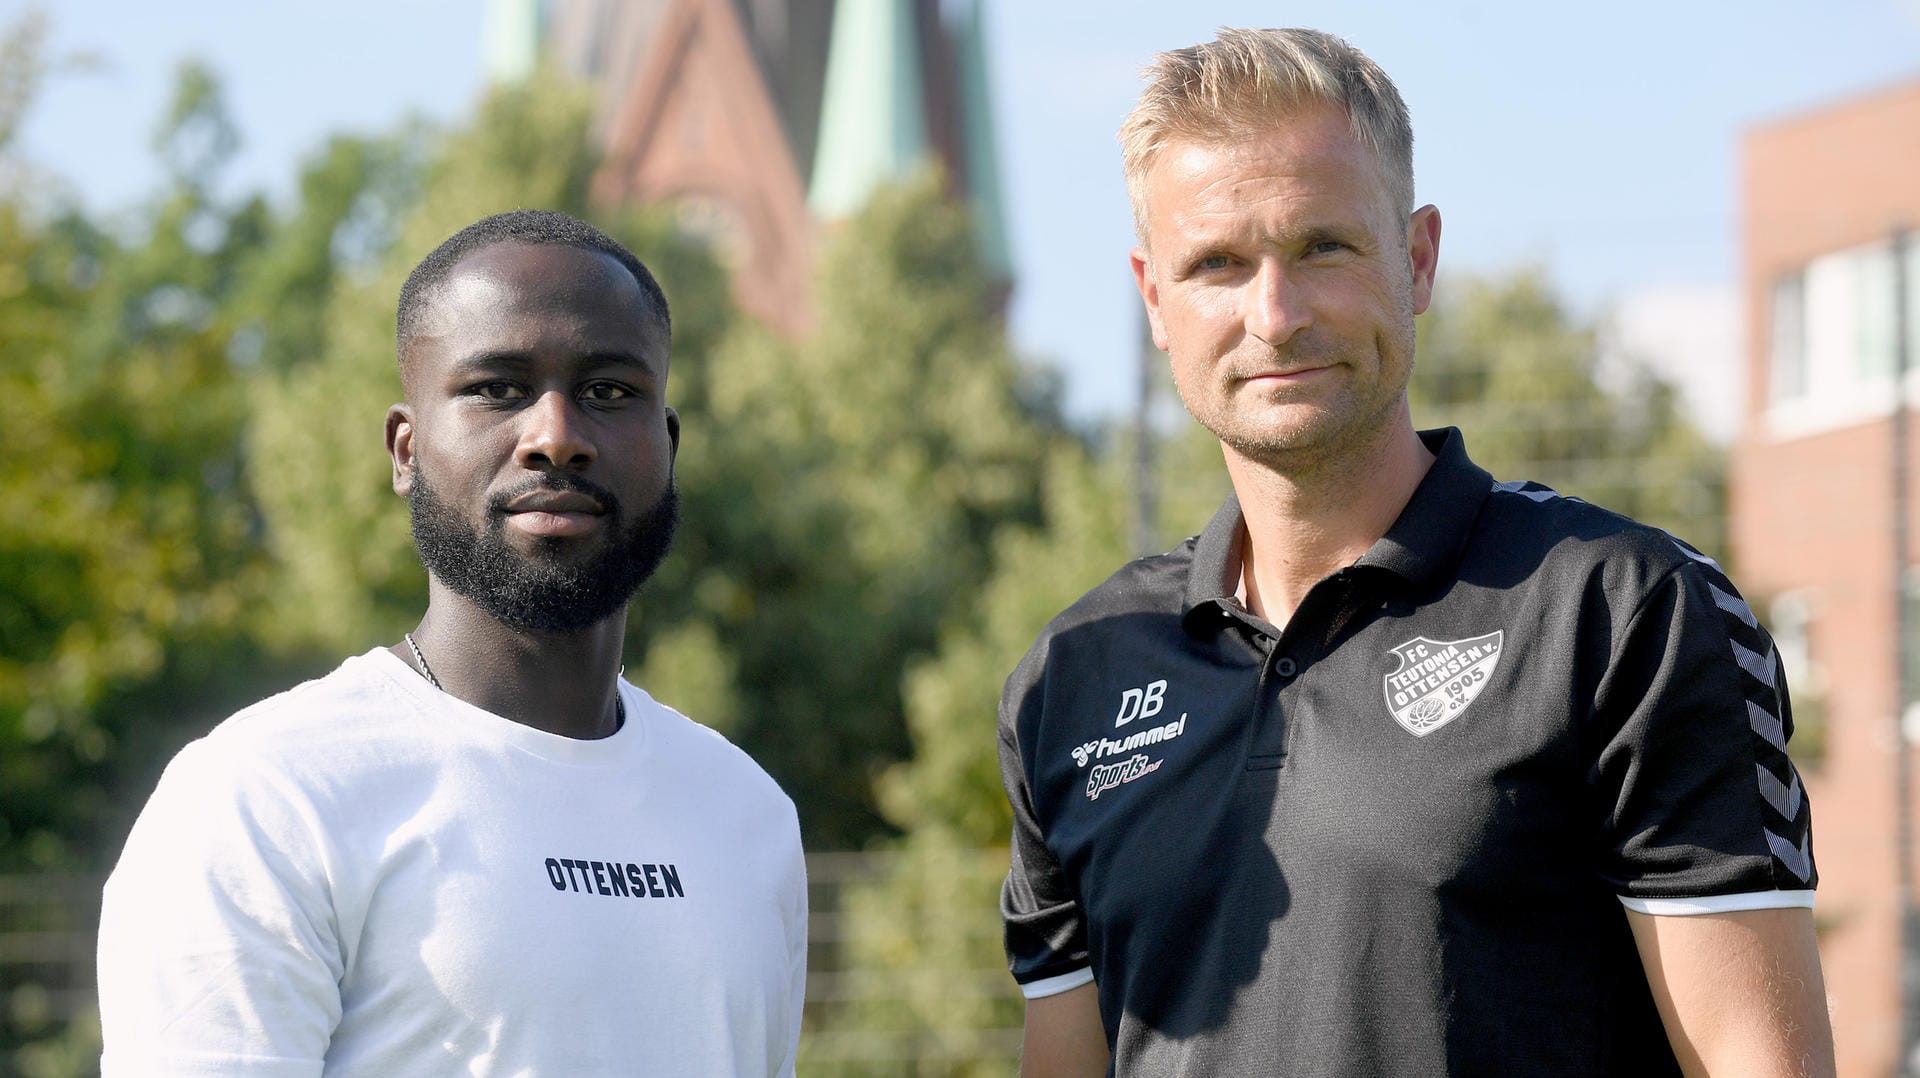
{"x": 1437, "y": 679}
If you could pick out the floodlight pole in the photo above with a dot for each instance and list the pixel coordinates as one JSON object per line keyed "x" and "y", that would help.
{"x": 1909, "y": 1059}
{"x": 1145, "y": 501}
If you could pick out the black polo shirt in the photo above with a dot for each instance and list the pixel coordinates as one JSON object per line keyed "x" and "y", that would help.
{"x": 1397, "y": 837}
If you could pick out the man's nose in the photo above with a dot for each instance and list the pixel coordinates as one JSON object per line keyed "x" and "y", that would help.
{"x": 554, "y": 434}
{"x": 1276, "y": 305}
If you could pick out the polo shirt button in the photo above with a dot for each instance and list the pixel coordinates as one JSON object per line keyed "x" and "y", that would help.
{"x": 1284, "y": 667}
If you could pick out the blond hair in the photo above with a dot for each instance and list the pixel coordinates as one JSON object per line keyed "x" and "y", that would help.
{"x": 1248, "y": 80}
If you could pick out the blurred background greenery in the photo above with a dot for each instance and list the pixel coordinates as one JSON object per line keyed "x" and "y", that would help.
{"x": 881, "y": 512}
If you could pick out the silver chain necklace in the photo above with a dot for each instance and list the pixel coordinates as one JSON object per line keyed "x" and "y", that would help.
{"x": 421, "y": 661}
{"x": 619, "y": 705}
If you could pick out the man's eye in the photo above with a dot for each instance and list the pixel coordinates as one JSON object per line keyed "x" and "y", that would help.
{"x": 607, "y": 391}
{"x": 498, "y": 391}
{"x": 1325, "y": 247}
{"x": 1212, "y": 262}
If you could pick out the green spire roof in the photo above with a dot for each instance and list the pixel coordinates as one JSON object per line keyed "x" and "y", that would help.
{"x": 872, "y": 118}
{"x": 983, "y": 160}
{"x": 510, "y": 39}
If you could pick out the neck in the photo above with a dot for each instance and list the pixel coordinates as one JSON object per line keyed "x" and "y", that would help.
{"x": 1306, "y": 519}
{"x": 560, "y": 683}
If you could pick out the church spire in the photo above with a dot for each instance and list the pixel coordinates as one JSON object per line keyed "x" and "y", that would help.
{"x": 510, "y": 39}
{"x": 873, "y": 118}
{"x": 983, "y": 160}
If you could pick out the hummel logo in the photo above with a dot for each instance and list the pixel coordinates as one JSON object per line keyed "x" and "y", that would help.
{"x": 1437, "y": 679}
{"x": 1143, "y": 702}
{"x": 1101, "y": 747}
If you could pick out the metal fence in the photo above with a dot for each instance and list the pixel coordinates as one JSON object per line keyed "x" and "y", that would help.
{"x": 48, "y": 1021}
{"x": 906, "y": 975}
{"x": 46, "y": 965}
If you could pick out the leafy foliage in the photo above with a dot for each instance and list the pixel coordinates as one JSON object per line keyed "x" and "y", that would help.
{"x": 844, "y": 489}
{"x": 1501, "y": 359}
{"x": 120, "y": 427}
{"x": 130, "y": 564}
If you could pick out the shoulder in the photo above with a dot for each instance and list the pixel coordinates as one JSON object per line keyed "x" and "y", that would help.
{"x": 309, "y": 719}
{"x": 704, "y": 757}
{"x": 330, "y": 740}
{"x": 1142, "y": 599}
{"x": 268, "y": 778}
{"x": 1537, "y": 534}
{"x": 1151, "y": 585}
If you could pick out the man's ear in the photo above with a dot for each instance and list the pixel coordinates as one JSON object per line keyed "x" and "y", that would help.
{"x": 1423, "y": 254}
{"x": 400, "y": 448}
{"x": 673, "y": 434}
{"x": 1143, "y": 279}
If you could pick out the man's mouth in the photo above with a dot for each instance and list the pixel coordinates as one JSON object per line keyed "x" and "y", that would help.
{"x": 1290, "y": 374}
{"x": 554, "y": 524}
{"x": 554, "y": 513}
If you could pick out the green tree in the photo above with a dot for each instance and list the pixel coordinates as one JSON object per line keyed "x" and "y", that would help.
{"x": 24, "y": 67}
{"x": 352, "y": 196}
{"x": 1502, "y": 359}
{"x": 920, "y": 980}
{"x": 920, "y": 972}
{"x": 121, "y": 428}
{"x": 847, "y": 486}
{"x": 126, "y": 581}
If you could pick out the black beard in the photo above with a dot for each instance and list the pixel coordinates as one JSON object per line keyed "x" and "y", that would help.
{"x": 534, "y": 594}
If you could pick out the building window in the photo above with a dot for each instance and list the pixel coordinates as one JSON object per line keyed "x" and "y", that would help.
{"x": 1872, "y": 305}
{"x": 1831, "y": 353}
{"x": 1789, "y": 376}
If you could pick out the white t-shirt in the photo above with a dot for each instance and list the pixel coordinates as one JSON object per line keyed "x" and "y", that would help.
{"x": 367, "y": 876}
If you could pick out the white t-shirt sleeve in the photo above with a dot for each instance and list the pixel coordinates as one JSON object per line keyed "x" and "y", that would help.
{"x": 219, "y": 950}
{"x": 797, "y": 956}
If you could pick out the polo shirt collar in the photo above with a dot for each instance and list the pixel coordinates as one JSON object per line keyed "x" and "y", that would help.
{"x": 1428, "y": 536}
{"x": 1214, "y": 577}
{"x": 1423, "y": 544}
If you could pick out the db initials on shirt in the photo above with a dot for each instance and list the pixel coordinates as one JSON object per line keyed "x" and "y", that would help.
{"x": 1437, "y": 679}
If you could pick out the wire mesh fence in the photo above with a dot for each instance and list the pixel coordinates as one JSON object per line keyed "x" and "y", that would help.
{"x": 47, "y": 925}
{"x": 907, "y": 975}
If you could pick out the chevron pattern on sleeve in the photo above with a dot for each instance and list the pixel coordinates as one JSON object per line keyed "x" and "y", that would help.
{"x": 1788, "y": 820}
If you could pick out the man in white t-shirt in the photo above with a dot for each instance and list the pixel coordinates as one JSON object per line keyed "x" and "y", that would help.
{"x": 479, "y": 851}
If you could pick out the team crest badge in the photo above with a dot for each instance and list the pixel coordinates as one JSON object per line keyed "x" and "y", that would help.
{"x": 1437, "y": 679}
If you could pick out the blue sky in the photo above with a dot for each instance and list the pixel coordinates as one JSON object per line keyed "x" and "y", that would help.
{"x": 1599, "y": 141}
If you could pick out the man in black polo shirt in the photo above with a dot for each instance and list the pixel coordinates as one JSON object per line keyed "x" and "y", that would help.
{"x": 1393, "y": 770}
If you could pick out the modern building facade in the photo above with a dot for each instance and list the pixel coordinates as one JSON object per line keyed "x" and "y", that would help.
{"x": 1814, "y": 523}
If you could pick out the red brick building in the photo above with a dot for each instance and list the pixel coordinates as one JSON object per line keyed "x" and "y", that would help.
{"x": 1812, "y": 490}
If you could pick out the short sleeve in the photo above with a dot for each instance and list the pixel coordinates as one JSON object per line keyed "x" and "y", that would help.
{"x": 1703, "y": 810}
{"x": 217, "y": 947}
{"x": 1045, "y": 931}
{"x": 796, "y": 953}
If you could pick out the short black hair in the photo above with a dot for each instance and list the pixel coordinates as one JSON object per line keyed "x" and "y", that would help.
{"x": 548, "y": 227}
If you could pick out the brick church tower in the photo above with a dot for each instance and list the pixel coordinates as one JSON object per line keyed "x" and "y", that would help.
{"x": 759, "y": 122}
